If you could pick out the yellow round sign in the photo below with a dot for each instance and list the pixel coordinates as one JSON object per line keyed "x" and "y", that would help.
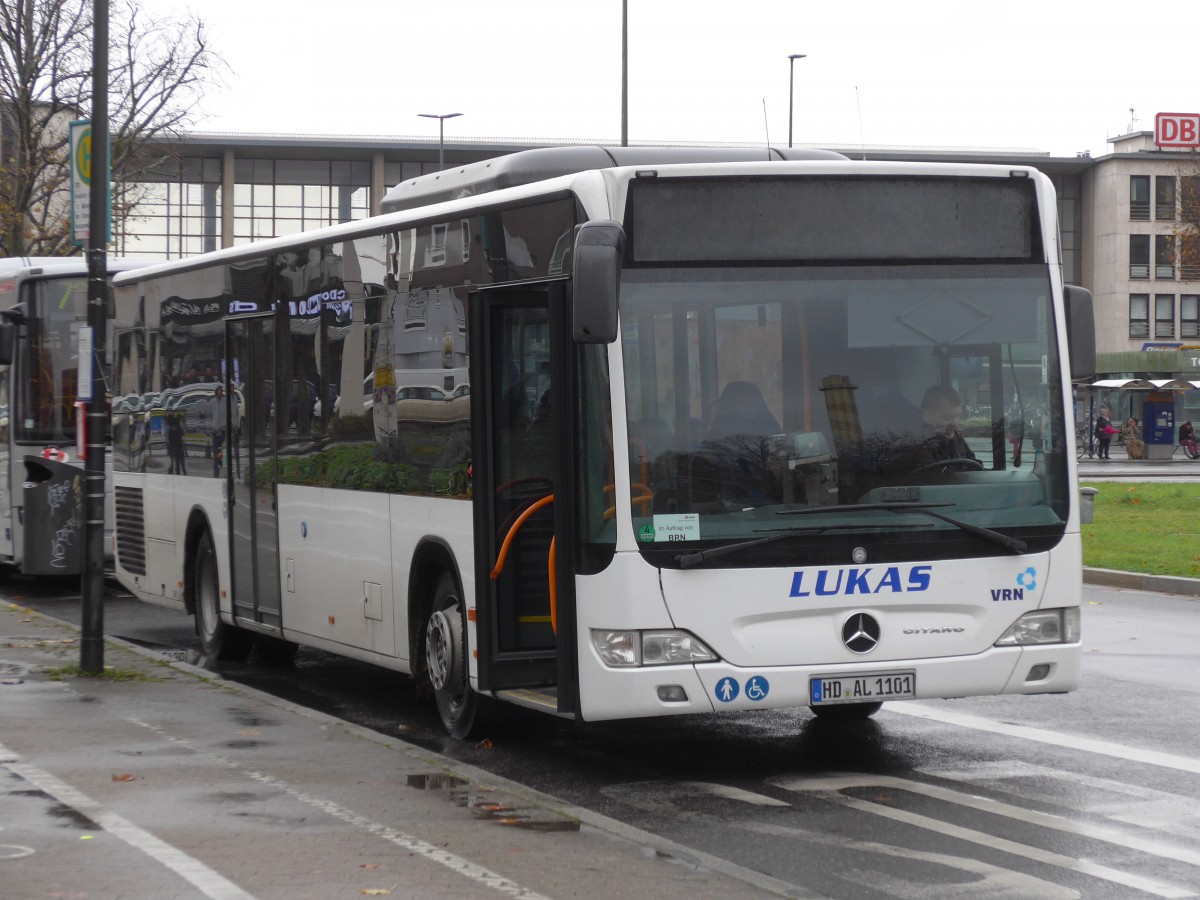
{"x": 83, "y": 156}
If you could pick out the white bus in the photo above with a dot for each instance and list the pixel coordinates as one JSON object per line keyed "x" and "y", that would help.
{"x": 691, "y": 471}
{"x": 43, "y": 303}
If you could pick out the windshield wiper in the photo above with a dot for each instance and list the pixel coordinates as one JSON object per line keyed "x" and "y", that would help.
{"x": 688, "y": 560}
{"x": 1015, "y": 545}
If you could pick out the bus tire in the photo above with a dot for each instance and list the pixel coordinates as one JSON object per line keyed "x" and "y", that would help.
{"x": 846, "y": 712}
{"x": 446, "y": 659}
{"x": 217, "y": 640}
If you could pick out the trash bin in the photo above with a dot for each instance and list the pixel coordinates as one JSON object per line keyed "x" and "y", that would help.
{"x": 53, "y": 518}
{"x": 1087, "y": 504}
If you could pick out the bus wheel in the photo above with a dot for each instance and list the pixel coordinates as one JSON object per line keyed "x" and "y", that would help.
{"x": 446, "y": 659}
{"x": 846, "y": 712}
{"x": 217, "y": 640}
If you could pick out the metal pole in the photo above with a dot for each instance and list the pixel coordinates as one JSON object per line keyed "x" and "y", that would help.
{"x": 441, "y": 117}
{"x": 792, "y": 88}
{"x": 91, "y": 646}
{"x": 624, "y": 73}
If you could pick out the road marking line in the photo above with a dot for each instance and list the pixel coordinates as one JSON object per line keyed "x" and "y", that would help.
{"x": 830, "y": 789}
{"x": 1104, "y": 833}
{"x": 209, "y": 882}
{"x": 1045, "y": 736}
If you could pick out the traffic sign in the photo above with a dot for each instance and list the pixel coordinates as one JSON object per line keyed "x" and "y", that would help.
{"x": 81, "y": 184}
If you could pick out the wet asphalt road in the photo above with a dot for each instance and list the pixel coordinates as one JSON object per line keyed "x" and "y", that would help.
{"x": 1093, "y": 794}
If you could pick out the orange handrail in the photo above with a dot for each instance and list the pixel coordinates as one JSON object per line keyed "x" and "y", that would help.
{"x": 512, "y": 533}
{"x": 503, "y": 555}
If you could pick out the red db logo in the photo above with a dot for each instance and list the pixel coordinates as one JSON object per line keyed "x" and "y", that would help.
{"x": 53, "y": 453}
{"x": 1177, "y": 129}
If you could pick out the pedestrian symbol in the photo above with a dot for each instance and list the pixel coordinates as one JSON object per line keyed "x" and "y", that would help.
{"x": 727, "y": 689}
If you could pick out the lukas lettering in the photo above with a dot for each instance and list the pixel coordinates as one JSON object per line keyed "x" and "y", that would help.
{"x": 871, "y": 580}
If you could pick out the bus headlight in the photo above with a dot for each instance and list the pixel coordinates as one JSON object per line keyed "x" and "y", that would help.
{"x": 627, "y": 649}
{"x": 1043, "y": 626}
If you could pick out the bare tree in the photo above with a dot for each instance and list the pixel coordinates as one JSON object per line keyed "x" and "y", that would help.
{"x": 157, "y": 71}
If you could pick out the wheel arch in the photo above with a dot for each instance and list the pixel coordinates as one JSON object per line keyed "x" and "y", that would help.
{"x": 197, "y": 527}
{"x": 431, "y": 559}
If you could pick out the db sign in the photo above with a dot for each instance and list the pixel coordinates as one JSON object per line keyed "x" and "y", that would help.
{"x": 1177, "y": 129}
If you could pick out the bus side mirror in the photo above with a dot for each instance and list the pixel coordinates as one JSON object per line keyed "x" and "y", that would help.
{"x": 1081, "y": 331}
{"x": 8, "y": 343}
{"x": 596, "y": 281}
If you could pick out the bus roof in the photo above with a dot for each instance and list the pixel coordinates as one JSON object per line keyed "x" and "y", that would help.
{"x": 540, "y": 164}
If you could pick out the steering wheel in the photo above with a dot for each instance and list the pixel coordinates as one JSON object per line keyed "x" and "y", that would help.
{"x": 964, "y": 461}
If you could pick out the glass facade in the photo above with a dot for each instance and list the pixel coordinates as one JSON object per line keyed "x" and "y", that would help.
{"x": 177, "y": 211}
{"x": 177, "y": 214}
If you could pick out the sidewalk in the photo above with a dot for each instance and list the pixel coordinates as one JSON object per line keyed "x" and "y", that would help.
{"x": 176, "y": 783}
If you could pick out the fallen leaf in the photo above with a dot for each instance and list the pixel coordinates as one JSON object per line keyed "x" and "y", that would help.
{"x": 125, "y": 776}
{"x": 86, "y": 837}
{"x": 370, "y": 866}
{"x": 485, "y": 744}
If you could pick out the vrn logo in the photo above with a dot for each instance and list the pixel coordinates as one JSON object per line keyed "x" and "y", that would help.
{"x": 871, "y": 580}
{"x": 1026, "y": 581}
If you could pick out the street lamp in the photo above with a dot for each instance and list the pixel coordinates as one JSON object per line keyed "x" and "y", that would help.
{"x": 441, "y": 133}
{"x": 792, "y": 57}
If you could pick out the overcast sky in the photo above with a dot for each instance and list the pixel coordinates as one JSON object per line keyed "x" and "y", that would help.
{"x": 1052, "y": 75}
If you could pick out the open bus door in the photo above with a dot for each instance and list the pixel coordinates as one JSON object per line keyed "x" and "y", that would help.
{"x": 521, "y": 357}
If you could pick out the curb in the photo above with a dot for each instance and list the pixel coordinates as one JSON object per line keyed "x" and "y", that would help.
{"x": 1189, "y": 588}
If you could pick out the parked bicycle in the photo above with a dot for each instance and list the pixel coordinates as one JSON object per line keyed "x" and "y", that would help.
{"x": 1084, "y": 445}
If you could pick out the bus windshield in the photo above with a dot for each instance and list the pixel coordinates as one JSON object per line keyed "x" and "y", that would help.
{"x": 45, "y": 405}
{"x": 873, "y": 395}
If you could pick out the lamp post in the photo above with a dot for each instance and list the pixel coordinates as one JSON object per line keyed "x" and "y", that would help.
{"x": 441, "y": 133}
{"x": 792, "y": 57}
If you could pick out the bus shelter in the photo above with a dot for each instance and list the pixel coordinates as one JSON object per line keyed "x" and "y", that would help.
{"x": 1159, "y": 405}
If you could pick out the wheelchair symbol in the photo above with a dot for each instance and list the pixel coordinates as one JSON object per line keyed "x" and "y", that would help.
{"x": 757, "y": 688}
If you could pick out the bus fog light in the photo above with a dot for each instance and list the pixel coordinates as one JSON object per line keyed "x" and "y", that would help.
{"x": 663, "y": 648}
{"x": 672, "y": 693}
{"x": 618, "y": 649}
{"x": 1043, "y": 626}
{"x": 1038, "y": 672}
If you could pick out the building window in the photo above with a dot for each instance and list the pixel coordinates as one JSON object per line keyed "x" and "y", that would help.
{"x": 1139, "y": 256}
{"x": 1139, "y": 196}
{"x": 1164, "y": 197}
{"x": 1164, "y": 256}
{"x": 1189, "y": 315}
{"x": 1164, "y": 315}
{"x": 1139, "y": 315}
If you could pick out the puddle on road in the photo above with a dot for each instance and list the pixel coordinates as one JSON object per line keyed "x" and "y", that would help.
{"x": 249, "y": 718}
{"x": 482, "y": 804}
{"x": 73, "y": 817}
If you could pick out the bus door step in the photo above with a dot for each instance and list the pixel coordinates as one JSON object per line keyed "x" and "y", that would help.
{"x": 542, "y": 699}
